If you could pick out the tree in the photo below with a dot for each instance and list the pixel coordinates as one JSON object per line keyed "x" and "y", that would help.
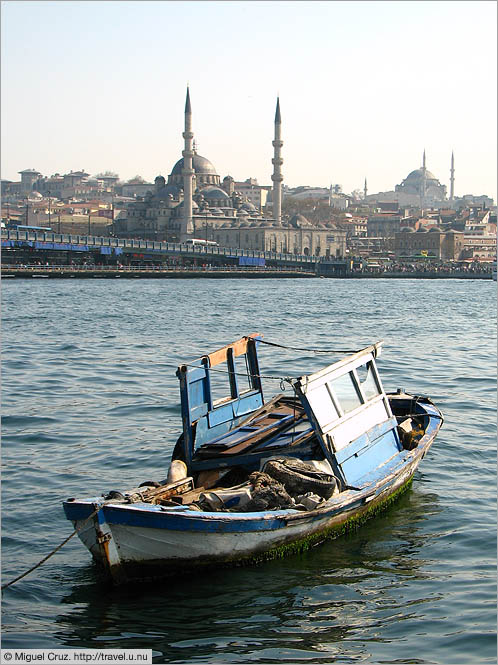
{"x": 107, "y": 174}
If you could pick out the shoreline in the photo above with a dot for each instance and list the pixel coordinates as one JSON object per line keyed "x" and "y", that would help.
{"x": 116, "y": 273}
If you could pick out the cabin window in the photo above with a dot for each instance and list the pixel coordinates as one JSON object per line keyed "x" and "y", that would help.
{"x": 366, "y": 378}
{"x": 346, "y": 392}
{"x": 323, "y": 405}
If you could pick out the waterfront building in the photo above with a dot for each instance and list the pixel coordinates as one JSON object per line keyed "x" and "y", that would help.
{"x": 434, "y": 243}
{"x": 297, "y": 236}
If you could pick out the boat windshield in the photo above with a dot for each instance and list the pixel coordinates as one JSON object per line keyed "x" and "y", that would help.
{"x": 346, "y": 392}
{"x": 366, "y": 379}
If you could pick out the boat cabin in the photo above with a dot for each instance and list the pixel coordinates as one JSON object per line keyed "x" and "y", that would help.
{"x": 340, "y": 414}
{"x": 351, "y": 415}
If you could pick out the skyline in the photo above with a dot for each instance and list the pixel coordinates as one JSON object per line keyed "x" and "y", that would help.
{"x": 364, "y": 89}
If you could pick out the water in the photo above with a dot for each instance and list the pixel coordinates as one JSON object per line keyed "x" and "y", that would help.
{"x": 91, "y": 403}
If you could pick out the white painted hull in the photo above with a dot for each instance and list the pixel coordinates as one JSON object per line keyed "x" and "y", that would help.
{"x": 137, "y": 552}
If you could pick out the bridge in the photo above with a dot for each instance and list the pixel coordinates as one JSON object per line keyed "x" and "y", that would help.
{"x": 148, "y": 250}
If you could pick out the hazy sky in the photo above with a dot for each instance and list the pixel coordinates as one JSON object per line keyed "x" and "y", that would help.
{"x": 364, "y": 87}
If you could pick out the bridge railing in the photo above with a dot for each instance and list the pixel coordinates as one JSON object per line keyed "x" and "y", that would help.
{"x": 154, "y": 246}
{"x": 165, "y": 268}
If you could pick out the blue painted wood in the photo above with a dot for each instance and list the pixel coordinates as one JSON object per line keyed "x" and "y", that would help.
{"x": 198, "y": 409}
{"x": 370, "y": 457}
{"x": 366, "y": 440}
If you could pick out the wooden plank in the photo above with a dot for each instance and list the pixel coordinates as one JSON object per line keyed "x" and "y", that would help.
{"x": 239, "y": 348}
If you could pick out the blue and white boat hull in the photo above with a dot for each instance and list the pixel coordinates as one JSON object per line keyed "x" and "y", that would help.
{"x": 340, "y": 450}
{"x": 139, "y": 541}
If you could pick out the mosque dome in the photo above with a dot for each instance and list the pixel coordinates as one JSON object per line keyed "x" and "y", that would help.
{"x": 248, "y": 206}
{"x": 201, "y": 166}
{"x": 417, "y": 176}
{"x": 170, "y": 190}
{"x": 299, "y": 221}
{"x": 435, "y": 229}
{"x": 214, "y": 193}
{"x": 407, "y": 229}
{"x": 421, "y": 229}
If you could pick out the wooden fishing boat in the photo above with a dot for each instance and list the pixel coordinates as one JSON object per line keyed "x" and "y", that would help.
{"x": 250, "y": 480}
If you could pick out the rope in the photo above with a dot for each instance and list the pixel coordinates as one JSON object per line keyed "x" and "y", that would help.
{"x": 295, "y": 348}
{"x": 19, "y": 577}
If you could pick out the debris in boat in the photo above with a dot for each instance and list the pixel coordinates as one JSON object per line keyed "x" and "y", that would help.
{"x": 300, "y": 477}
{"x": 177, "y": 471}
{"x": 234, "y": 498}
{"x": 410, "y": 433}
{"x": 310, "y": 501}
{"x": 268, "y": 493}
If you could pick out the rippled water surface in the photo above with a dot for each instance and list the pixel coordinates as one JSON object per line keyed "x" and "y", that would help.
{"x": 90, "y": 402}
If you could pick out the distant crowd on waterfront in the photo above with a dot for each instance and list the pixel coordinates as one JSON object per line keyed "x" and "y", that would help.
{"x": 422, "y": 267}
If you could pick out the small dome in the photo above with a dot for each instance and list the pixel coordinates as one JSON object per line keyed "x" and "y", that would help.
{"x": 407, "y": 229}
{"x": 248, "y": 206}
{"x": 173, "y": 190}
{"x": 214, "y": 193}
{"x": 421, "y": 229}
{"x": 299, "y": 221}
{"x": 434, "y": 230}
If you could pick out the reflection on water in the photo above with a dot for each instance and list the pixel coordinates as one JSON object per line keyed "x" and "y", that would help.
{"x": 305, "y": 605}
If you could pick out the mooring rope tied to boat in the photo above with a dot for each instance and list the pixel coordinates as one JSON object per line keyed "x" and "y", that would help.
{"x": 45, "y": 558}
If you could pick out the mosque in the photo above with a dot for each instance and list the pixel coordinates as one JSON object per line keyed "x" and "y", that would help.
{"x": 420, "y": 188}
{"x": 196, "y": 203}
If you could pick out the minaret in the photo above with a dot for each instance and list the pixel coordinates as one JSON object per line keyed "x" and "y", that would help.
{"x": 423, "y": 175}
{"x": 365, "y": 189}
{"x": 452, "y": 177}
{"x": 188, "y": 171}
{"x": 277, "y": 162}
